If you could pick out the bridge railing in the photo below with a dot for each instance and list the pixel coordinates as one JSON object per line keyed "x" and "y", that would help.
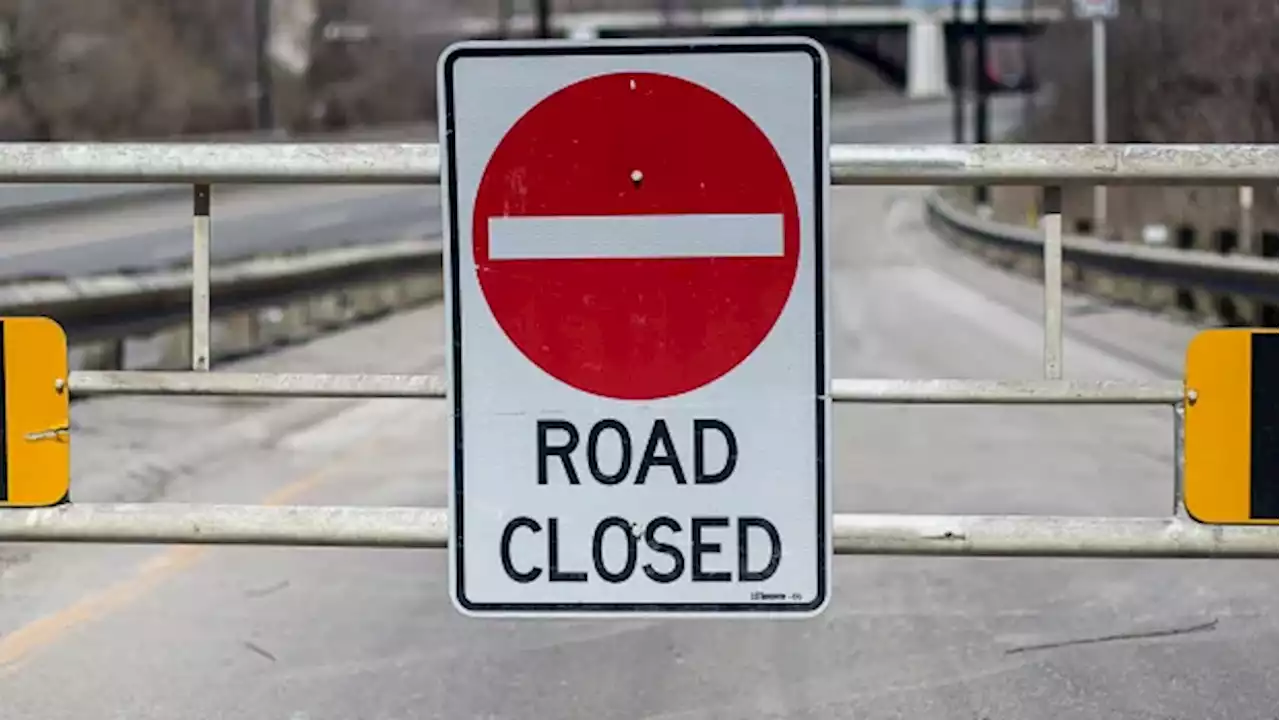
{"x": 1049, "y": 166}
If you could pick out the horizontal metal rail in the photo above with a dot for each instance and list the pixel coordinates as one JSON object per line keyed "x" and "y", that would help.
{"x": 1027, "y": 164}
{"x": 604, "y": 6}
{"x": 418, "y": 163}
{"x": 326, "y": 385}
{"x": 854, "y": 534}
{"x": 231, "y": 384}
{"x": 705, "y": 14}
{"x": 25, "y": 202}
{"x": 1007, "y": 392}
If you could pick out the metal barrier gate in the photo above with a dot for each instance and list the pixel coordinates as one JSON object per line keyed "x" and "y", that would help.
{"x": 1047, "y": 166}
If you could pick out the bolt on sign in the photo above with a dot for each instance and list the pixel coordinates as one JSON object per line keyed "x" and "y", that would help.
{"x": 35, "y": 415}
{"x": 635, "y": 285}
{"x": 1231, "y": 474}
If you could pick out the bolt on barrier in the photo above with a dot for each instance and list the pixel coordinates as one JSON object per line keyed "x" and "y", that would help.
{"x": 1051, "y": 167}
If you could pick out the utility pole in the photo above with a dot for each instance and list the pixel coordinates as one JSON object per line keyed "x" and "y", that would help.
{"x": 1098, "y": 12}
{"x": 262, "y": 64}
{"x": 544, "y": 18}
{"x": 982, "y": 87}
{"x": 955, "y": 52}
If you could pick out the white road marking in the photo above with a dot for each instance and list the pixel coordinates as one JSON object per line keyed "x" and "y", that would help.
{"x": 635, "y": 236}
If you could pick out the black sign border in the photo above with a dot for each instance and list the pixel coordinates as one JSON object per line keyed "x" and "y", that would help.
{"x": 779, "y": 45}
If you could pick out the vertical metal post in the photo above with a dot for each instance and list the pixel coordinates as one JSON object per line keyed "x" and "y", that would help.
{"x": 504, "y": 18}
{"x": 955, "y": 53}
{"x": 981, "y": 88}
{"x": 200, "y": 277}
{"x": 1051, "y": 226}
{"x": 262, "y": 64}
{"x": 1245, "y": 243}
{"x": 1100, "y": 118}
{"x": 1179, "y": 458}
{"x": 1025, "y": 76}
{"x": 543, "y": 8}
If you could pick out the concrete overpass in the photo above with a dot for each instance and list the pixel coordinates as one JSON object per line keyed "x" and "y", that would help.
{"x": 914, "y": 44}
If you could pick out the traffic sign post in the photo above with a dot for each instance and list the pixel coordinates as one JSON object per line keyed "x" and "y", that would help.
{"x": 35, "y": 448}
{"x": 635, "y": 289}
{"x": 1231, "y": 473}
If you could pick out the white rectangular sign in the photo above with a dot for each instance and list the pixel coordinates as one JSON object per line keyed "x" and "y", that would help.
{"x": 1095, "y": 9}
{"x": 635, "y": 267}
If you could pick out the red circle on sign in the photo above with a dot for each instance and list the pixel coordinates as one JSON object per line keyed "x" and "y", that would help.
{"x": 618, "y": 322}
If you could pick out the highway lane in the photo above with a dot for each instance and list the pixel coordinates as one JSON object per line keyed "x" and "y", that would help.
{"x": 246, "y": 222}
{"x": 273, "y": 219}
{"x": 271, "y": 633}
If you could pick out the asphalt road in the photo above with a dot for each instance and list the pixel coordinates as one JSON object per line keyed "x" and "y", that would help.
{"x": 249, "y": 222}
{"x": 139, "y": 633}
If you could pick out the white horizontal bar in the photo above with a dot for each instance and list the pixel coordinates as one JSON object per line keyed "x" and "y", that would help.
{"x": 844, "y": 390}
{"x": 1047, "y": 392}
{"x": 854, "y": 534}
{"x": 414, "y": 163}
{"x": 598, "y": 237}
{"x": 1008, "y": 392}
{"x": 316, "y": 385}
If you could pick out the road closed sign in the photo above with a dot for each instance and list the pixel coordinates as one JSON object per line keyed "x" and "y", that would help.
{"x": 638, "y": 371}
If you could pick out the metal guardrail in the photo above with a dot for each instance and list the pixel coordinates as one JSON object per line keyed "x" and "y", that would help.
{"x": 1176, "y": 536}
{"x": 408, "y": 163}
{"x": 852, "y": 534}
{"x": 20, "y": 202}
{"x": 1241, "y": 275}
{"x": 97, "y": 305}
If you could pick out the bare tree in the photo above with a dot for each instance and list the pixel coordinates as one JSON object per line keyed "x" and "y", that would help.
{"x": 112, "y": 68}
{"x": 1179, "y": 71}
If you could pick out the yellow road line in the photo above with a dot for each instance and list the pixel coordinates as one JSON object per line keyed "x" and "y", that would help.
{"x": 44, "y": 631}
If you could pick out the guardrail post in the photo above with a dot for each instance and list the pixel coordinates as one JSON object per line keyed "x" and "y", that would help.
{"x": 1245, "y": 246}
{"x": 200, "y": 277}
{"x": 1051, "y": 225}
